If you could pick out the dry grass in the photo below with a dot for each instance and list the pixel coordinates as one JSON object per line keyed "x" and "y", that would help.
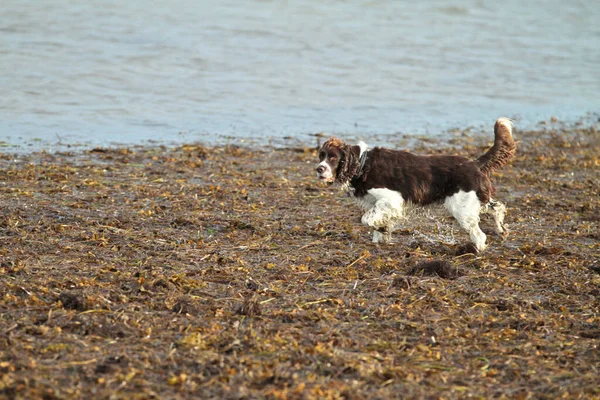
{"x": 231, "y": 273}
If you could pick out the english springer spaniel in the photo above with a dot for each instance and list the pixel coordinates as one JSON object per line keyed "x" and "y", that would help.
{"x": 387, "y": 182}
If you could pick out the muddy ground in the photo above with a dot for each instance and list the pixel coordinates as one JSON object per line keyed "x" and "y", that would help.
{"x": 231, "y": 272}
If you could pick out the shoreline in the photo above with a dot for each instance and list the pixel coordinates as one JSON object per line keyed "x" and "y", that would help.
{"x": 219, "y": 271}
{"x": 401, "y": 138}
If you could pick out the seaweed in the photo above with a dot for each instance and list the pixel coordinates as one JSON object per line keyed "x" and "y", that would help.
{"x": 230, "y": 272}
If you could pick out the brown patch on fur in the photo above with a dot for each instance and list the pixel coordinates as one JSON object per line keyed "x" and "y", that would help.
{"x": 348, "y": 166}
{"x": 333, "y": 142}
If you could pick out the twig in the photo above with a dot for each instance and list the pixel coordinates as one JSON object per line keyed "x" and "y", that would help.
{"x": 74, "y": 363}
{"x": 315, "y": 302}
{"x": 357, "y": 260}
{"x": 310, "y": 244}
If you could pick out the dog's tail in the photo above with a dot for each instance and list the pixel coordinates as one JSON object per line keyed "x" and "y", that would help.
{"x": 503, "y": 149}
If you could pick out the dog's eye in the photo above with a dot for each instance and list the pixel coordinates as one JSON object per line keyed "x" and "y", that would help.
{"x": 332, "y": 157}
{"x": 322, "y": 154}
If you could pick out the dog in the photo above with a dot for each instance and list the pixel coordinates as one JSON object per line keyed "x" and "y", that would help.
{"x": 388, "y": 182}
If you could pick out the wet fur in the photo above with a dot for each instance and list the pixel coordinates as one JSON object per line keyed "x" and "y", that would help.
{"x": 389, "y": 180}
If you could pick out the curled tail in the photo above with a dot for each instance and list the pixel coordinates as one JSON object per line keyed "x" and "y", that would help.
{"x": 503, "y": 149}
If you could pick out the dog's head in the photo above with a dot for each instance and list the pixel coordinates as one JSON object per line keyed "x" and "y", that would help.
{"x": 337, "y": 161}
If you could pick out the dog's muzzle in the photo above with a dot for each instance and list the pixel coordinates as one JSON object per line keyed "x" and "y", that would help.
{"x": 324, "y": 172}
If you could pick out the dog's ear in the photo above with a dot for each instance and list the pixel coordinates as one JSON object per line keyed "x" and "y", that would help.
{"x": 348, "y": 165}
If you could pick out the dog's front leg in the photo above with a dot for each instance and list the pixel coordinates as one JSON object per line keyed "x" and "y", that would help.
{"x": 383, "y": 215}
{"x": 376, "y": 218}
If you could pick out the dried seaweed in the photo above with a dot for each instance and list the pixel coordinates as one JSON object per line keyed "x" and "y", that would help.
{"x": 441, "y": 268}
{"x": 230, "y": 272}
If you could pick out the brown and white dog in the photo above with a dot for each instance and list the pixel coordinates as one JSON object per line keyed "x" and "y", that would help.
{"x": 388, "y": 182}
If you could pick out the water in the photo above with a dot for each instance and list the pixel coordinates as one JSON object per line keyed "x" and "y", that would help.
{"x": 101, "y": 72}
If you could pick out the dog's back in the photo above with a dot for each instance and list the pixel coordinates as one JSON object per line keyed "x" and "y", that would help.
{"x": 421, "y": 180}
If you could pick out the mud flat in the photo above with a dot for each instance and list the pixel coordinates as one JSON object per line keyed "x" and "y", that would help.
{"x": 230, "y": 272}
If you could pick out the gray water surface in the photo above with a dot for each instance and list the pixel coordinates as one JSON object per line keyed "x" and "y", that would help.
{"x": 102, "y": 72}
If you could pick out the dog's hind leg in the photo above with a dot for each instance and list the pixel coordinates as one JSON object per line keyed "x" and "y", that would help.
{"x": 498, "y": 211}
{"x": 465, "y": 207}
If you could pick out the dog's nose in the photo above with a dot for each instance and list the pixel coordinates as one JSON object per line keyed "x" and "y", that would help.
{"x": 320, "y": 169}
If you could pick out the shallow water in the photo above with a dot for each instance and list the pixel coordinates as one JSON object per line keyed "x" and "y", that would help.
{"x": 103, "y": 72}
